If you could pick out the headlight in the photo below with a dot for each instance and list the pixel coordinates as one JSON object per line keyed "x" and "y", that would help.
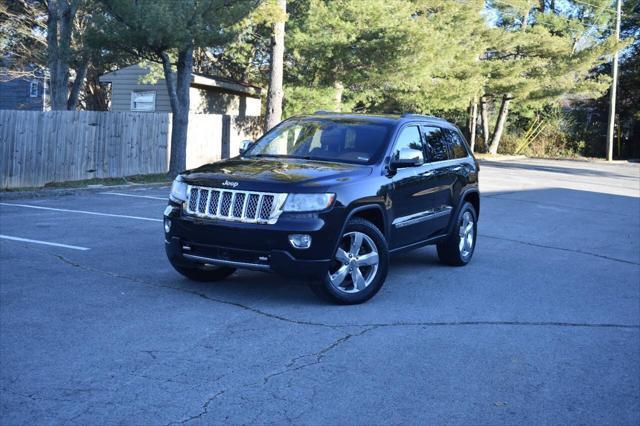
{"x": 178, "y": 190}
{"x": 308, "y": 202}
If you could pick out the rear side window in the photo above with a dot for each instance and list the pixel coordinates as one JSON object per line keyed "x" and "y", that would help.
{"x": 436, "y": 143}
{"x": 456, "y": 144}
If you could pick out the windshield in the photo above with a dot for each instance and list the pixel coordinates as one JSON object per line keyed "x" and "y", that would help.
{"x": 349, "y": 141}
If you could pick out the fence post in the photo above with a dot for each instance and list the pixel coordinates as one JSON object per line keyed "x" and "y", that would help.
{"x": 226, "y": 136}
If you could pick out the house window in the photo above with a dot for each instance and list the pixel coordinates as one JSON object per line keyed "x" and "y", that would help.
{"x": 143, "y": 101}
{"x": 33, "y": 89}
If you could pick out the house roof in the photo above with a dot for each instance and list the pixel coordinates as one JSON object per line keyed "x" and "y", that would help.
{"x": 221, "y": 83}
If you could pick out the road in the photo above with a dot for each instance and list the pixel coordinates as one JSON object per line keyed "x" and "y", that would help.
{"x": 543, "y": 327}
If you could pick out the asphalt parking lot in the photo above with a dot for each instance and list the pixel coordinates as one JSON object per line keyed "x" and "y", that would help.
{"x": 543, "y": 327}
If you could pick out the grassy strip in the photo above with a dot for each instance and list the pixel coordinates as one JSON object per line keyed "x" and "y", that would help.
{"x": 127, "y": 180}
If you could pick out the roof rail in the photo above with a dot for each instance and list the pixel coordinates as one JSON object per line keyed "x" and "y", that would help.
{"x": 412, "y": 114}
{"x": 323, "y": 112}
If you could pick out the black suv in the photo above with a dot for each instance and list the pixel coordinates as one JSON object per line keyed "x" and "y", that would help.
{"x": 327, "y": 198}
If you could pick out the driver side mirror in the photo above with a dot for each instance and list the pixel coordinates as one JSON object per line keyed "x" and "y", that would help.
{"x": 407, "y": 157}
{"x": 245, "y": 145}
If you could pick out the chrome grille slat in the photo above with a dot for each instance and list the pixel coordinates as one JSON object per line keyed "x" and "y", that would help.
{"x": 238, "y": 204}
{"x": 225, "y": 204}
{"x": 213, "y": 203}
{"x": 234, "y": 205}
{"x": 193, "y": 198}
{"x": 252, "y": 205}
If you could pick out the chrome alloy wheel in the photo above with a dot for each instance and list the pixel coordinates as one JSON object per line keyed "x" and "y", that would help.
{"x": 356, "y": 263}
{"x": 466, "y": 234}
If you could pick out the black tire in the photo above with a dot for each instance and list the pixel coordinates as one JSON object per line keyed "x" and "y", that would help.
{"x": 205, "y": 274}
{"x": 449, "y": 251}
{"x": 328, "y": 291}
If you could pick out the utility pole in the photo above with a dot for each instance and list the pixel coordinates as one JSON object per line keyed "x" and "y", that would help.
{"x": 614, "y": 85}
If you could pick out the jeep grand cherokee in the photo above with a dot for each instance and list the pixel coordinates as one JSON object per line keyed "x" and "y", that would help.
{"x": 327, "y": 198}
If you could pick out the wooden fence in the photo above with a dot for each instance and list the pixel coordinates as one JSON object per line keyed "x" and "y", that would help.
{"x": 37, "y": 148}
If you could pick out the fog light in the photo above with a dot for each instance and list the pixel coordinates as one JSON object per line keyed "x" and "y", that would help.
{"x": 167, "y": 225}
{"x": 300, "y": 241}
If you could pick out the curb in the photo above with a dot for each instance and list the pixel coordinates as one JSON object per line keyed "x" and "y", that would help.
{"x": 60, "y": 192}
{"x": 502, "y": 158}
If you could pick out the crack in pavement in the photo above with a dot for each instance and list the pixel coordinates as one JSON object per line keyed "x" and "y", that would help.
{"x": 588, "y": 253}
{"x": 289, "y": 367}
{"x": 317, "y": 357}
{"x": 203, "y": 412}
{"x": 345, "y": 325}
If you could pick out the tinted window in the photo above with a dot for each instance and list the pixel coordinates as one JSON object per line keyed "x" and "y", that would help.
{"x": 456, "y": 144}
{"x": 354, "y": 141}
{"x": 436, "y": 142}
{"x": 409, "y": 138}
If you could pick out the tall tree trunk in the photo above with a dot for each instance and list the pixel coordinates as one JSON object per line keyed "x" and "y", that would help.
{"x": 178, "y": 86}
{"x": 473, "y": 123}
{"x": 484, "y": 115}
{"x": 338, "y": 95}
{"x": 61, "y": 14}
{"x": 78, "y": 84}
{"x": 275, "y": 94}
{"x": 525, "y": 20}
{"x": 502, "y": 119}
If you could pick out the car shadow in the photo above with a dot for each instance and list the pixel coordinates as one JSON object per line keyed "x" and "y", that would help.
{"x": 514, "y": 165}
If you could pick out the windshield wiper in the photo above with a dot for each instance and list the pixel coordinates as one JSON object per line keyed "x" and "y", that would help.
{"x": 300, "y": 157}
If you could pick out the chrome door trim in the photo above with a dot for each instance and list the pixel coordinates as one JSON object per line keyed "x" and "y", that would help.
{"x": 423, "y": 216}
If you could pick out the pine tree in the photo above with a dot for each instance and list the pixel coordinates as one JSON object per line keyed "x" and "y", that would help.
{"x": 537, "y": 58}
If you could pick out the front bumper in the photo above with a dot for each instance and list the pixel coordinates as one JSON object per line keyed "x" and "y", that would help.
{"x": 192, "y": 241}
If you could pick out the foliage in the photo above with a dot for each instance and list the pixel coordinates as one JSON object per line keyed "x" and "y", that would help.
{"x": 427, "y": 56}
{"x": 23, "y": 40}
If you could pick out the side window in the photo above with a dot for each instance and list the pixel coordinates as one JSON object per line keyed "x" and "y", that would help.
{"x": 33, "y": 89}
{"x": 143, "y": 101}
{"x": 409, "y": 138}
{"x": 436, "y": 142}
{"x": 456, "y": 144}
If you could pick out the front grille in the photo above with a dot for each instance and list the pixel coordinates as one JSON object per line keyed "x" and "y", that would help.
{"x": 232, "y": 205}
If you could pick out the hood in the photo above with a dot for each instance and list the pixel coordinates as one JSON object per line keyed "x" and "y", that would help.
{"x": 269, "y": 174}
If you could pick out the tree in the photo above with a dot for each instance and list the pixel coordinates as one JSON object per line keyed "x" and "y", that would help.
{"x": 23, "y": 40}
{"x": 61, "y": 16}
{"x": 384, "y": 55}
{"x": 345, "y": 50}
{"x": 537, "y": 58}
{"x": 169, "y": 32}
{"x": 275, "y": 94}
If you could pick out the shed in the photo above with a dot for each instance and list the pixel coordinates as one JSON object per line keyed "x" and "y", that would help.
{"x": 208, "y": 95}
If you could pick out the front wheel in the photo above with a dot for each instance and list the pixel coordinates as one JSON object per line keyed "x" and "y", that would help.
{"x": 359, "y": 267}
{"x": 458, "y": 248}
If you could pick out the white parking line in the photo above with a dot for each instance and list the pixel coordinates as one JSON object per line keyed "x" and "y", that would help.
{"x": 136, "y": 196}
{"x": 46, "y": 243}
{"x": 81, "y": 211}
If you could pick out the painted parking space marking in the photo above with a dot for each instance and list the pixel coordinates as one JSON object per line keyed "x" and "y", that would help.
{"x": 45, "y": 243}
{"x": 29, "y": 206}
{"x": 135, "y": 196}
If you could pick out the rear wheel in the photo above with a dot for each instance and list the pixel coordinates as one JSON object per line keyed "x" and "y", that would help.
{"x": 205, "y": 273}
{"x": 359, "y": 267}
{"x": 458, "y": 248}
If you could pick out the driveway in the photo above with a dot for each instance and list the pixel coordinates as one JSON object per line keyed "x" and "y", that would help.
{"x": 542, "y": 327}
